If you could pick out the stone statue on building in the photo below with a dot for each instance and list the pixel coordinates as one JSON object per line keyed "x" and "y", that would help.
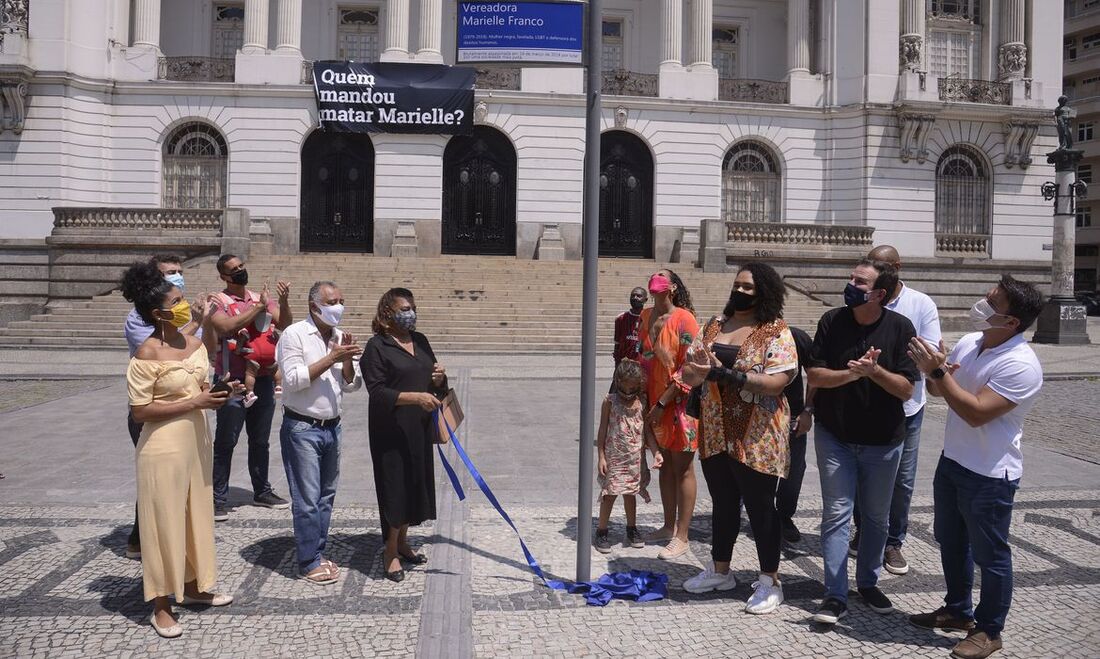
{"x": 1063, "y": 115}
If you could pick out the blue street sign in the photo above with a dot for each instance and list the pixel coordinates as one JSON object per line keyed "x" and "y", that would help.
{"x": 521, "y": 32}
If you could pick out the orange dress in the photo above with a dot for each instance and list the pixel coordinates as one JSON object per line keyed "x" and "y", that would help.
{"x": 662, "y": 357}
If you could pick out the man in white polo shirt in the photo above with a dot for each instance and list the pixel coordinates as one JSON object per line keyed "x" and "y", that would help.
{"x": 317, "y": 363}
{"x": 989, "y": 381}
{"x": 922, "y": 312}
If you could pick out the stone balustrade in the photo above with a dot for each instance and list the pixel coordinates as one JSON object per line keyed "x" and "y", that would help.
{"x": 196, "y": 69}
{"x": 134, "y": 219}
{"x": 975, "y": 91}
{"x": 629, "y": 83}
{"x": 962, "y": 244}
{"x": 801, "y": 235}
{"x": 752, "y": 91}
{"x": 498, "y": 78}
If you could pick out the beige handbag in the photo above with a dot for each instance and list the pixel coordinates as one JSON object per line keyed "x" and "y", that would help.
{"x": 450, "y": 412}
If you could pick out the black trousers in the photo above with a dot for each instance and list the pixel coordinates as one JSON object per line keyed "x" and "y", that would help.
{"x": 731, "y": 484}
{"x": 135, "y": 434}
{"x": 791, "y": 487}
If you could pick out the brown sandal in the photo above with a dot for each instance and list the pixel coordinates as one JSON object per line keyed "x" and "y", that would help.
{"x": 322, "y": 575}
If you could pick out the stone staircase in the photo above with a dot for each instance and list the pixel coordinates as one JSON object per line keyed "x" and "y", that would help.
{"x": 475, "y": 304}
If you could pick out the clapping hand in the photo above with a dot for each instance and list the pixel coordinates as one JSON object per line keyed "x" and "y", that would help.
{"x": 282, "y": 289}
{"x": 439, "y": 375}
{"x": 698, "y": 366}
{"x": 264, "y": 296}
{"x": 866, "y": 365}
{"x": 344, "y": 351}
{"x": 926, "y": 356}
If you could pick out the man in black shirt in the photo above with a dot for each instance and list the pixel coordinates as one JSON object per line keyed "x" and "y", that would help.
{"x": 802, "y": 410}
{"x": 862, "y": 375}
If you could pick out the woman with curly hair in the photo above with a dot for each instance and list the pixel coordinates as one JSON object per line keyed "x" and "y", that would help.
{"x": 405, "y": 383}
{"x": 743, "y": 359}
{"x": 665, "y": 331}
{"x": 169, "y": 393}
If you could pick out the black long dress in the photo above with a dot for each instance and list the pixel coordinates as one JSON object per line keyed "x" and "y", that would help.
{"x": 401, "y": 437}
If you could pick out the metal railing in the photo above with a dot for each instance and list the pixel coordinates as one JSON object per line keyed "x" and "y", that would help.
{"x": 975, "y": 91}
{"x": 196, "y": 69}
{"x": 752, "y": 91}
{"x": 629, "y": 83}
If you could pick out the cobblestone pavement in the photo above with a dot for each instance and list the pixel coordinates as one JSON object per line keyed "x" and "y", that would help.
{"x": 67, "y": 590}
{"x": 17, "y": 394}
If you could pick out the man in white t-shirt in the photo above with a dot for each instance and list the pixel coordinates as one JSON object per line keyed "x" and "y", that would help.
{"x": 989, "y": 382}
{"x": 922, "y": 312}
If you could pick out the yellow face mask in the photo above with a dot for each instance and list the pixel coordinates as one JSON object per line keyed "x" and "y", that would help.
{"x": 181, "y": 314}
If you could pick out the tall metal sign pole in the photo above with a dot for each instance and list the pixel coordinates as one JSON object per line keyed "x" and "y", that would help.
{"x": 590, "y": 300}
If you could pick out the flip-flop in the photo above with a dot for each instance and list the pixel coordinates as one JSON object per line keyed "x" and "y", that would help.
{"x": 321, "y": 576}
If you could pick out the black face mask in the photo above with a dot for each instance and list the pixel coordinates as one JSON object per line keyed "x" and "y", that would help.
{"x": 739, "y": 301}
{"x": 239, "y": 277}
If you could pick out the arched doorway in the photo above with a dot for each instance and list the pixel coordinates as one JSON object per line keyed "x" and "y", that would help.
{"x": 479, "y": 194}
{"x": 626, "y": 196}
{"x": 337, "y": 208}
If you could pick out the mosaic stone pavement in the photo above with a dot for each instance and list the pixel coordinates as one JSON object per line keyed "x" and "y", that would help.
{"x": 69, "y": 591}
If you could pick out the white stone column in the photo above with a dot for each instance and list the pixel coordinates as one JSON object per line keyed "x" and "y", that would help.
{"x": 431, "y": 31}
{"x": 1012, "y": 60}
{"x": 255, "y": 27}
{"x": 289, "y": 34}
{"x": 798, "y": 36}
{"x": 397, "y": 31}
{"x": 147, "y": 23}
{"x": 911, "y": 44}
{"x": 672, "y": 33}
{"x": 702, "y": 26}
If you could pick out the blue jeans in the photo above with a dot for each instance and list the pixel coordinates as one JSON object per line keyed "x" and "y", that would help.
{"x": 973, "y": 513}
{"x": 311, "y": 457}
{"x": 256, "y": 421}
{"x": 847, "y": 470}
{"x": 903, "y": 484}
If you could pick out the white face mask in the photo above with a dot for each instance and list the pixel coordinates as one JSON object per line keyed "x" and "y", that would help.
{"x": 330, "y": 314}
{"x": 980, "y": 314}
{"x": 263, "y": 321}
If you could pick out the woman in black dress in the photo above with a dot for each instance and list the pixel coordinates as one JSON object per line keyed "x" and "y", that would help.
{"x": 403, "y": 378}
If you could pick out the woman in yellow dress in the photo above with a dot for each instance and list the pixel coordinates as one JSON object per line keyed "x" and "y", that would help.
{"x": 169, "y": 393}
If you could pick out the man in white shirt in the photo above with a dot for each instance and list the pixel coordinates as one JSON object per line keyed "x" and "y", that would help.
{"x": 318, "y": 367}
{"x": 989, "y": 382}
{"x": 922, "y": 312}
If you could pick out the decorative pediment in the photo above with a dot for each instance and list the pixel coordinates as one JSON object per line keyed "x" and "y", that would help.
{"x": 914, "y": 128}
{"x": 1019, "y": 136}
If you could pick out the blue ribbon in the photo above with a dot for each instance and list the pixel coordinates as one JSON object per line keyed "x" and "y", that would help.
{"x": 639, "y": 585}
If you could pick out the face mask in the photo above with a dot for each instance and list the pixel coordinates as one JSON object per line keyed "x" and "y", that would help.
{"x": 262, "y": 322}
{"x": 176, "y": 279}
{"x": 181, "y": 314}
{"x": 853, "y": 296}
{"x": 980, "y": 314}
{"x": 331, "y": 314}
{"x": 406, "y": 320}
{"x": 628, "y": 396}
{"x": 740, "y": 301}
{"x": 239, "y": 277}
{"x": 659, "y": 284}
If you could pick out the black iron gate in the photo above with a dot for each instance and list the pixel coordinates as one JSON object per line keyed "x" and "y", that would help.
{"x": 337, "y": 212}
{"x": 626, "y": 196}
{"x": 479, "y": 194}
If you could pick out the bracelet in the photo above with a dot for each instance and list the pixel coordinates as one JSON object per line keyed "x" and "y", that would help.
{"x": 659, "y": 404}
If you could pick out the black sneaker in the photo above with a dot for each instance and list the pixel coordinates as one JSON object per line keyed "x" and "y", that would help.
{"x": 831, "y": 610}
{"x": 271, "y": 500}
{"x": 942, "y": 618}
{"x": 790, "y": 532}
{"x": 894, "y": 561}
{"x": 633, "y": 538}
{"x": 603, "y": 545}
{"x": 221, "y": 513}
{"x": 876, "y": 599}
{"x": 853, "y": 545}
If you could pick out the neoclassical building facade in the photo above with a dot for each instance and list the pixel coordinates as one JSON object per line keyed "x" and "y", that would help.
{"x": 797, "y": 125}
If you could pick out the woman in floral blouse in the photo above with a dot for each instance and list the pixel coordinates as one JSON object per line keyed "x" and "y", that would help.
{"x": 743, "y": 359}
{"x": 666, "y": 330}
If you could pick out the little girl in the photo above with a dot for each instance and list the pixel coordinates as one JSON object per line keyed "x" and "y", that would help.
{"x": 622, "y": 452}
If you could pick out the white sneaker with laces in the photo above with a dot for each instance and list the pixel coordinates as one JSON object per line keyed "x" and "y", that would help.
{"x": 766, "y": 596}
{"x": 709, "y": 580}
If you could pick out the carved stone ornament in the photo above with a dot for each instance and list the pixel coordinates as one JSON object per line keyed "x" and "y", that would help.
{"x": 910, "y": 47}
{"x": 914, "y": 129}
{"x": 481, "y": 111}
{"x": 13, "y": 16}
{"x": 621, "y": 115}
{"x": 1019, "y": 136}
{"x": 1013, "y": 61}
{"x": 13, "y": 104}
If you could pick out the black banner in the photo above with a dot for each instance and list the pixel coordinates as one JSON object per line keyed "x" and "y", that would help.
{"x": 389, "y": 97}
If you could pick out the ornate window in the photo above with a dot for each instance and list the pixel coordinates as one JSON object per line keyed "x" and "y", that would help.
{"x": 750, "y": 184}
{"x": 614, "y": 51}
{"x": 725, "y": 41}
{"x": 357, "y": 37}
{"x": 954, "y": 38}
{"x": 228, "y": 34}
{"x": 195, "y": 167}
{"x": 962, "y": 193}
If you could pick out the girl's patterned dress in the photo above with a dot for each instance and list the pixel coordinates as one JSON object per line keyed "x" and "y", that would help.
{"x": 623, "y": 451}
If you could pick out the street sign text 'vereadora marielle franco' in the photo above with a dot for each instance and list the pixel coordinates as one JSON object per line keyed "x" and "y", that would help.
{"x": 546, "y": 33}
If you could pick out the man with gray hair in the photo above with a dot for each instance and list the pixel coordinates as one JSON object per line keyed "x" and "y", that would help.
{"x": 317, "y": 362}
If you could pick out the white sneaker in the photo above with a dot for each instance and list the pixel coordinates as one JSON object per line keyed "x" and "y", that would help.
{"x": 709, "y": 580}
{"x": 766, "y": 596}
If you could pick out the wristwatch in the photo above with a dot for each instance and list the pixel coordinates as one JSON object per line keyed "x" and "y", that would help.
{"x": 809, "y": 409}
{"x": 937, "y": 374}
